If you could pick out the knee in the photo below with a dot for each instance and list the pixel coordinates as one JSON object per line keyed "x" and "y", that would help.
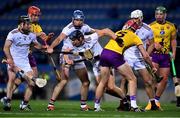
{"x": 110, "y": 88}
{"x": 148, "y": 83}
{"x": 86, "y": 83}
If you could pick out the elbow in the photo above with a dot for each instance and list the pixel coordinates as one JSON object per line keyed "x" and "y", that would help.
{"x": 4, "y": 49}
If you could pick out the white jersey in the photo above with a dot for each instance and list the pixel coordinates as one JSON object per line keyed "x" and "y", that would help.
{"x": 145, "y": 33}
{"x": 20, "y": 48}
{"x": 91, "y": 42}
{"x": 70, "y": 28}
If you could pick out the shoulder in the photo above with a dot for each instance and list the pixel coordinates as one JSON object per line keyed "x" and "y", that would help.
{"x": 153, "y": 23}
{"x": 90, "y": 37}
{"x": 14, "y": 31}
{"x": 32, "y": 34}
{"x": 146, "y": 26}
{"x": 85, "y": 25}
{"x": 170, "y": 24}
{"x": 69, "y": 26}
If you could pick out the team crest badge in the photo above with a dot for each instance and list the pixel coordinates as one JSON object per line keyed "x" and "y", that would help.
{"x": 162, "y": 32}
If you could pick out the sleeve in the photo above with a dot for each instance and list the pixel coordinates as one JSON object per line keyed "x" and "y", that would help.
{"x": 34, "y": 38}
{"x": 88, "y": 28}
{"x": 39, "y": 29}
{"x": 67, "y": 44}
{"x": 65, "y": 31}
{"x": 10, "y": 37}
{"x": 150, "y": 36}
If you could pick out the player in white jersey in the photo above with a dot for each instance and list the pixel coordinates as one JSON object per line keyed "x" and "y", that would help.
{"x": 134, "y": 58}
{"x": 16, "y": 49}
{"x": 76, "y": 24}
{"x": 77, "y": 42}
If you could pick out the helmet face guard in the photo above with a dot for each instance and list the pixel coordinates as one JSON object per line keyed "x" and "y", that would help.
{"x": 137, "y": 14}
{"x": 78, "y": 15}
{"x": 24, "y": 19}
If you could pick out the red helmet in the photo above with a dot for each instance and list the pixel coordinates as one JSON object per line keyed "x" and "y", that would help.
{"x": 131, "y": 24}
{"x": 33, "y": 10}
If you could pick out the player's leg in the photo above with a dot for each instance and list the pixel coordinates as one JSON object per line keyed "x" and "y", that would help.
{"x": 58, "y": 88}
{"x": 126, "y": 71}
{"x": 113, "y": 90}
{"x": 148, "y": 81}
{"x": 105, "y": 73}
{"x": 24, "y": 105}
{"x": 124, "y": 105}
{"x": 10, "y": 84}
{"x": 83, "y": 76}
{"x": 164, "y": 72}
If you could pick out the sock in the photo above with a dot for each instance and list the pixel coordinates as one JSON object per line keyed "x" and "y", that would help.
{"x": 133, "y": 101}
{"x": 83, "y": 103}
{"x": 157, "y": 98}
{"x": 152, "y": 102}
{"x": 51, "y": 102}
{"x": 25, "y": 102}
{"x": 97, "y": 103}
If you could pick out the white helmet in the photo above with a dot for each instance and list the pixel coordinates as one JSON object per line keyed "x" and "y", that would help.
{"x": 136, "y": 14}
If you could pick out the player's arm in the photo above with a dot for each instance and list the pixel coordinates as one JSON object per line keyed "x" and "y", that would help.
{"x": 173, "y": 44}
{"x": 45, "y": 37}
{"x": 37, "y": 45}
{"x": 146, "y": 56}
{"x": 150, "y": 47}
{"x": 106, "y": 32}
{"x": 56, "y": 42}
{"x": 6, "y": 50}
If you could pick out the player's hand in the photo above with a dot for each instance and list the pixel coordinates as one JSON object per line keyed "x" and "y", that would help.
{"x": 154, "y": 70}
{"x": 45, "y": 46}
{"x": 49, "y": 50}
{"x": 10, "y": 62}
{"x": 50, "y": 36}
{"x": 69, "y": 62}
{"x": 173, "y": 56}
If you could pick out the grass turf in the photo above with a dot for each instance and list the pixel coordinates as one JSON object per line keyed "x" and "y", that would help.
{"x": 72, "y": 109}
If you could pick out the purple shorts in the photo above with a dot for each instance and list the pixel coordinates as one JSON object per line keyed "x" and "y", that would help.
{"x": 32, "y": 60}
{"x": 111, "y": 59}
{"x": 162, "y": 59}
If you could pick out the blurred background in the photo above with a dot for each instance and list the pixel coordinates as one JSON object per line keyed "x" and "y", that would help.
{"x": 56, "y": 14}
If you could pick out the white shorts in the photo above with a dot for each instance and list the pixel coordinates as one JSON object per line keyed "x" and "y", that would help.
{"x": 22, "y": 64}
{"x": 78, "y": 65}
{"x": 136, "y": 63}
{"x": 96, "y": 68}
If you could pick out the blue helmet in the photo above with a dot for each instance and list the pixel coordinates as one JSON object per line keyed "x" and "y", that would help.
{"x": 78, "y": 14}
{"x": 76, "y": 35}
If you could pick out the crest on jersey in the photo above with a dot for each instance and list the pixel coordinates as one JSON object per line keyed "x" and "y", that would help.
{"x": 162, "y": 32}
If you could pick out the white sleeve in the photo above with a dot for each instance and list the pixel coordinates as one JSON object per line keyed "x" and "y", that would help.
{"x": 150, "y": 35}
{"x": 66, "y": 31}
{"x": 67, "y": 44}
{"x": 10, "y": 37}
{"x": 88, "y": 28}
{"x": 34, "y": 38}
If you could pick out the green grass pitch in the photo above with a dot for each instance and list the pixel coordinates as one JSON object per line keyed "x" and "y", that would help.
{"x": 72, "y": 109}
